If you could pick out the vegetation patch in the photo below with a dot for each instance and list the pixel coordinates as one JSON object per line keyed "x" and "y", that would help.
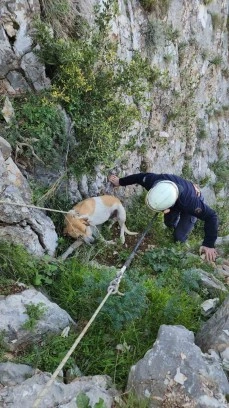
{"x": 160, "y": 7}
{"x": 61, "y": 15}
{"x": 159, "y": 287}
{"x": 38, "y": 130}
{"x": 35, "y": 313}
{"x": 94, "y": 86}
{"x": 201, "y": 129}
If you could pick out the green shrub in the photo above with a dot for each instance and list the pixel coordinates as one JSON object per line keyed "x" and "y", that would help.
{"x": 61, "y": 16}
{"x": 223, "y": 214}
{"x": 168, "y": 57}
{"x": 93, "y": 84}
{"x": 172, "y": 33}
{"x": 35, "y": 313}
{"x": 160, "y": 7}
{"x": 83, "y": 401}
{"x": 221, "y": 169}
{"x": 217, "y": 60}
{"x": 38, "y": 131}
{"x": 171, "y": 307}
{"x": 201, "y": 129}
{"x": 171, "y": 263}
{"x": 76, "y": 281}
{"x": 16, "y": 263}
{"x": 154, "y": 34}
{"x": 48, "y": 354}
{"x": 127, "y": 326}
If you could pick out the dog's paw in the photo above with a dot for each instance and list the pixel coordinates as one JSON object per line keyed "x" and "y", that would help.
{"x": 89, "y": 240}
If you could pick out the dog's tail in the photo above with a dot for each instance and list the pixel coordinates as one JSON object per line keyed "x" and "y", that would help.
{"x": 129, "y": 232}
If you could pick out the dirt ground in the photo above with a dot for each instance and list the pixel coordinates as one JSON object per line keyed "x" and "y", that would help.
{"x": 117, "y": 254}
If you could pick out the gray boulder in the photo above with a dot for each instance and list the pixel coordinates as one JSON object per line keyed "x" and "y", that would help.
{"x": 12, "y": 374}
{"x": 175, "y": 370}
{"x": 59, "y": 395}
{"x": 19, "y": 223}
{"x": 14, "y": 315}
{"x": 214, "y": 334}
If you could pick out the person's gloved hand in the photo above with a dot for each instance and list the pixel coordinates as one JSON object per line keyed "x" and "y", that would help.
{"x": 114, "y": 180}
{"x": 210, "y": 253}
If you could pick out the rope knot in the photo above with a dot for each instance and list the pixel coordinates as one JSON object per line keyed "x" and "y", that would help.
{"x": 113, "y": 288}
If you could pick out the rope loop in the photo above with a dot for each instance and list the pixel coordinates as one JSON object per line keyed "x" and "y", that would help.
{"x": 114, "y": 284}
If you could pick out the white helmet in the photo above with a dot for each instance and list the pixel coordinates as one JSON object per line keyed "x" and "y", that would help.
{"x": 162, "y": 196}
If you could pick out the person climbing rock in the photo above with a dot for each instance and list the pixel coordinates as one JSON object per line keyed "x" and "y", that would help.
{"x": 182, "y": 204}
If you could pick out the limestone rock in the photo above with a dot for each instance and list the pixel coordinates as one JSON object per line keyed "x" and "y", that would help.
{"x": 5, "y": 148}
{"x": 14, "y": 315}
{"x": 176, "y": 370}
{"x": 19, "y": 223}
{"x": 214, "y": 334}
{"x": 96, "y": 388}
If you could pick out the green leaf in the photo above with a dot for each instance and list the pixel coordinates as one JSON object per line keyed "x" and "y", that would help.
{"x": 82, "y": 401}
{"x": 37, "y": 279}
{"x": 48, "y": 280}
{"x": 100, "y": 404}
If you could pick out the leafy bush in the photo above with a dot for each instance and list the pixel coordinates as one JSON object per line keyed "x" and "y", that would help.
{"x": 16, "y": 263}
{"x": 60, "y": 14}
{"x": 76, "y": 281}
{"x": 84, "y": 402}
{"x": 35, "y": 313}
{"x": 94, "y": 85}
{"x": 161, "y": 258}
{"x": 38, "y": 131}
{"x": 127, "y": 325}
{"x": 47, "y": 355}
{"x": 172, "y": 261}
{"x": 171, "y": 307}
{"x": 158, "y": 6}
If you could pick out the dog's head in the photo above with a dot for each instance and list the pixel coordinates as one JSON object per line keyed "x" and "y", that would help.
{"x": 76, "y": 227}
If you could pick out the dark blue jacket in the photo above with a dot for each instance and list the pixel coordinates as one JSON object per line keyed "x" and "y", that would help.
{"x": 187, "y": 202}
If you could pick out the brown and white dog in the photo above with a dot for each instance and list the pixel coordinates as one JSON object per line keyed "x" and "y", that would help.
{"x": 82, "y": 220}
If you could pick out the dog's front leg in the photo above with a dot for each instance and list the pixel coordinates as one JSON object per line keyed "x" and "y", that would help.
{"x": 97, "y": 234}
{"x": 72, "y": 247}
{"x": 88, "y": 238}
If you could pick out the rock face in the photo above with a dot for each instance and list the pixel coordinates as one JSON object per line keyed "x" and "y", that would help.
{"x": 23, "y": 394}
{"x": 13, "y": 374}
{"x": 215, "y": 332}
{"x": 186, "y": 129}
{"x": 14, "y": 315}
{"x": 19, "y": 68}
{"x": 20, "y": 224}
{"x": 175, "y": 370}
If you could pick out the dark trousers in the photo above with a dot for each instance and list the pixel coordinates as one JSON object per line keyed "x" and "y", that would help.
{"x": 181, "y": 222}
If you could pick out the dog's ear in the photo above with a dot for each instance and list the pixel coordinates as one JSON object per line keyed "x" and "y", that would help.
{"x": 80, "y": 225}
{"x": 85, "y": 221}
